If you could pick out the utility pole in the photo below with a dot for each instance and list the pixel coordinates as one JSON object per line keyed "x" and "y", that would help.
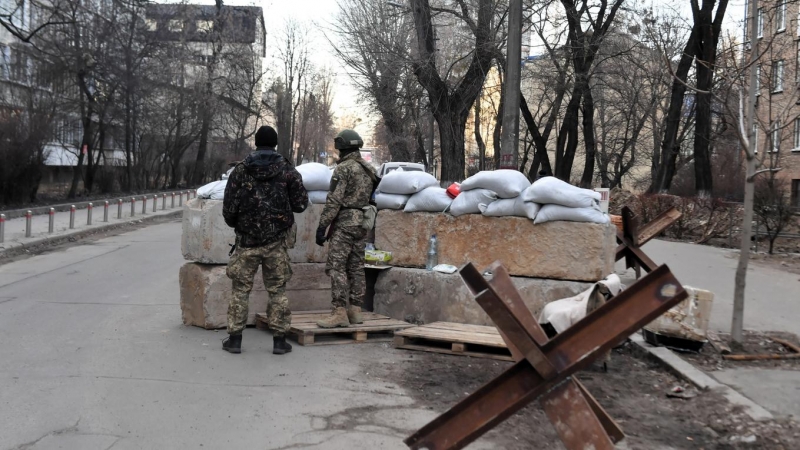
{"x": 510, "y": 138}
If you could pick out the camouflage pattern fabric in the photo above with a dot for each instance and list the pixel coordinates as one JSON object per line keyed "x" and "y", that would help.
{"x": 262, "y": 193}
{"x": 351, "y": 188}
{"x": 276, "y": 272}
{"x": 345, "y": 265}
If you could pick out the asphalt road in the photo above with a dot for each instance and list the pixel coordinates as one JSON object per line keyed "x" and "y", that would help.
{"x": 95, "y": 358}
{"x": 772, "y": 297}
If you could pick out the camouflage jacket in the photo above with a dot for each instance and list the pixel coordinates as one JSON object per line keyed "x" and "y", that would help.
{"x": 262, "y": 193}
{"x": 351, "y": 189}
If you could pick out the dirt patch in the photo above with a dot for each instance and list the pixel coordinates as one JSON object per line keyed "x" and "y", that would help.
{"x": 755, "y": 343}
{"x": 789, "y": 262}
{"x": 633, "y": 391}
{"x": 90, "y": 235}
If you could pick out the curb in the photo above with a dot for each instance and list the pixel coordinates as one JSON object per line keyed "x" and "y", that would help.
{"x": 703, "y": 381}
{"x": 64, "y": 207}
{"x": 79, "y": 234}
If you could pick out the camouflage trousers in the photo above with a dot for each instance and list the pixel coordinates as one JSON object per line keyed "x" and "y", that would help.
{"x": 276, "y": 272}
{"x": 345, "y": 266}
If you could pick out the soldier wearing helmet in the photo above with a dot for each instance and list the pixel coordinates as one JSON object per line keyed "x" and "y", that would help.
{"x": 347, "y": 217}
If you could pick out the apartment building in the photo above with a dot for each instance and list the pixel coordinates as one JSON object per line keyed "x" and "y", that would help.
{"x": 777, "y": 122}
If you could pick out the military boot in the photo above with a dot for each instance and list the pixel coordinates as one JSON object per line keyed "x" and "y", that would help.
{"x": 280, "y": 346}
{"x": 233, "y": 343}
{"x": 338, "y": 318}
{"x": 354, "y": 315}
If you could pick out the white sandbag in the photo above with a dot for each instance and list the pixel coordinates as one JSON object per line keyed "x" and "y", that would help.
{"x": 406, "y": 183}
{"x": 432, "y": 199}
{"x": 214, "y": 190}
{"x": 550, "y": 213}
{"x": 510, "y": 207}
{"x": 551, "y": 190}
{"x": 317, "y": 197}
{"x": 469, "y": 202}
{"x": 316, "y": 176}
{"x": 505, "y": 183}
{"x": 390, "y": 201}
{"x": 564, "y": 313}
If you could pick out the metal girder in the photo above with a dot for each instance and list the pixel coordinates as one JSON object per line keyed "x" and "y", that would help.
{"x": 544, "y": 364}
{"x": 632, "y": 237}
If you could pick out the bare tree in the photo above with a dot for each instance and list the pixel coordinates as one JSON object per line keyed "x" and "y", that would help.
{"x": 452, "y": 95}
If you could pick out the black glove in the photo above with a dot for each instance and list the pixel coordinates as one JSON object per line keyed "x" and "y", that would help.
{"x": 321, "y": 236}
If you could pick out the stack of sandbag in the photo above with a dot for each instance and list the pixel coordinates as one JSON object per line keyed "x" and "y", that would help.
{"x": 494, "y": 193}
{"x": 317, "y": 181}
{"x": 560, "y": 200}
{"x": 431, "y": 199}
{"x": 397, "y": 187}
{"x": 214, "y": 190}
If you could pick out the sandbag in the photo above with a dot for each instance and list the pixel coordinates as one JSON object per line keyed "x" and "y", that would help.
{"x": 550, "y": 213}
{"x": 317, "y": 197}
{"x": 406, "y": 183}
{"x": 505, "y": 183}
{"x": 214, "y": 190}
{"x": 316, "y": 176}
{"x": 469, "y": 202}
{"x": 510, "y": 207}
{"x": 391, "y": 201}
{"x": 432, "y": 199}
{"x": 551, "y": 190}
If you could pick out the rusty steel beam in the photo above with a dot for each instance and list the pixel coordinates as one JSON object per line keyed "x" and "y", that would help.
{"x": 573, "y": 418}
{"x": 574, "y": 349}
{"x": 611, "y": 427}
{"x": 658, "y": 225}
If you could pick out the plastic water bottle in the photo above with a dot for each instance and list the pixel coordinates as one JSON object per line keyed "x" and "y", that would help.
{"x": 369, "y": 246}
{"x": 433, "y": 253}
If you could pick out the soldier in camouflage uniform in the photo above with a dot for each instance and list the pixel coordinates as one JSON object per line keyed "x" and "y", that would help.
{"x": 262, "y": 193}
{"x": 351, "y": 189}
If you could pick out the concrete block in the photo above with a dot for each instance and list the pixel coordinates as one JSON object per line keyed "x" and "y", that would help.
{"x": 207, "y": 239}
{"x": 557, "y": 250}
{"x": 206, "y": 292}
{"x": 417, "y": 295}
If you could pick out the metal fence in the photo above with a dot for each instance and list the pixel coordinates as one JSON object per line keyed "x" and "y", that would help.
{"x": 29, "y": 214}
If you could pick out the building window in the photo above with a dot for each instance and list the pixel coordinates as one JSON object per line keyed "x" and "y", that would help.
{"x": 151, "y": 24}
{"x": 777, "y": 76}
{"x": 796, "y": 146}
{"x": 796, "y": 193}
{"x": 775, "y": 137}
{"x": 755, "y": 138}
{"x": 205, "y": 26}
{"x": 780, "y": 17}
{"x": 176, "y": 25}
{"x": 758, "y": 79}
{"x": 760, "y": 23}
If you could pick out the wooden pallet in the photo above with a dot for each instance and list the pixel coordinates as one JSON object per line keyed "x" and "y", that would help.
{"x": 454, "y": 339}
{"x": 376, "y": 328}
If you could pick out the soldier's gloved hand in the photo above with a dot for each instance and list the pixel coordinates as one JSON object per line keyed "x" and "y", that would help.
{"x": 321, "y": 236}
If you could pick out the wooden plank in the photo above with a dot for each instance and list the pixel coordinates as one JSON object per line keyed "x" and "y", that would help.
{"x": 458, "y": 348}
{"x": 467, "y": 328}
{"x": 718, "y": 343}
{"x": 339, "y": 338}
{"x": 452, "y": 336}
{"x": 384, "y": 326}
{"x": 657, "y": 225}
{"x": 445, "y": 351}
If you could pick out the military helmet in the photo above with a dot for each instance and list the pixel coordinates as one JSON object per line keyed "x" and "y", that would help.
{"x": 347, "y": 139}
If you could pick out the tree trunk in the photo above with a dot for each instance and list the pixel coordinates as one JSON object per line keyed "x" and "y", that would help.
{"x": 588, "y": 140}
{"x": 669, "y": 144}
{"x": 451, "y": 141}
{"x": 744, "y": 253}
{"x": 567, "y": 142}
{"x": 497, "y": 133}
{"x": 199, "y": 173}
{"x": 478, "y": 137}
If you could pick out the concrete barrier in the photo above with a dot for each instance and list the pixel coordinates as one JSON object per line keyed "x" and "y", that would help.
{"x": 206, "y": 292}
{"x": 206, "y": 238}
{"x": 419, "y": 296}
{"x": 557, "y": 250}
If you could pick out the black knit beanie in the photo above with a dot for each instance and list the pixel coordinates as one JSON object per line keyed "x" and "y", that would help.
{"x": 266, "y": 137}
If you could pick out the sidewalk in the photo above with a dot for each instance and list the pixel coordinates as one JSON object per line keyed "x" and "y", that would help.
{"x": 14, "y": 233}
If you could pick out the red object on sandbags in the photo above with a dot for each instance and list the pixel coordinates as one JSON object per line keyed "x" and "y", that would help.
{"x": 454, "y": 190}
